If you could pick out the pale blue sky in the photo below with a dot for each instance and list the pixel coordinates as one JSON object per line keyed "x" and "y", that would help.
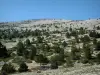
{"x": 15, "y": 10}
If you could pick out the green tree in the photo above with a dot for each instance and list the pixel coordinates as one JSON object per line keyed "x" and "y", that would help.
{"x": 54, "y": 65}
{"x": 41, "y": 59}
{"x": 8, "y": 68}
{"x": 85, "y": 39}
{"x": 94, "y": 41}
{"x": 33, "y": 52}
{"x": 23, "y": 67}
{"x": 75, "y": 54}
{"x": 20, "y": 48}
{"x": 98, "y": 45}
{"x": 40, "y": 39}
{"x": 87, "y": 52}
{"x": 98, "y": 58}
{"x": 68, "y": 35}
{"x": 3, "y": 51}
{"x": 28, "y": 42}
{"x": 64, "y": 44}
{"x": 69, "y": 62}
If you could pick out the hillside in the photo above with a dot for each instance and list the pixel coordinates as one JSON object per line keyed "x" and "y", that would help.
{"x": 65, "y": 47}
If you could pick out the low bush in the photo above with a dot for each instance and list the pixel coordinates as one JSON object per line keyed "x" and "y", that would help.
{"x": 54, "y": 65}
{"x": 23, "y": 67}
{"x": 8, "y": 68}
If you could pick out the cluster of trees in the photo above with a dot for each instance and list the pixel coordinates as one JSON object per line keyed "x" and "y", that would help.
{"x": 94, "y": 34}
{"x": 8, "y": 68}
{"x": 13, "y": 33}
{"x": 76, "y": 32}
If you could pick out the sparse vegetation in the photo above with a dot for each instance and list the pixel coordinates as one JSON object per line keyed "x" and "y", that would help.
{"x": 56, "y": 44}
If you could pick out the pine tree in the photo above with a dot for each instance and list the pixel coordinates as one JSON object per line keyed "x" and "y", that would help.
{"x": 87, "y": 52}
{"x": 20, "y": 48}
{"x": 32, "y": 52}
{"x": 27, "y": 42}
{"x": 94, "y": 41}
{"x": 64, "y": 44}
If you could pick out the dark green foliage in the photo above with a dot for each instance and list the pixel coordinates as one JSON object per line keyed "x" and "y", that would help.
{"x": 3, "y": 73}
{"x": 86, "y": 38}
{"x": 69, "y": 62}
{"x": 41, "y": 59}
{"x": 32, "y": 52}
{"x": 98, "y": 45}
{"x": 75, "y": 53}
{"x": 8, "y": 68}
{"x": 98, "y": 58}
{"x": 27, "y": 42}
{"x": 94, "y": 34}
{"x": 23, "y": 67}
{"x": 56, "y": 48}
{"x": 98, "y": 27}
{"x": 26, "y": 53}
{"x": 18, "y": 59}
{"x": 74, "y": 33}
{"x": 20, "y": 48}
{"x": 47, "y": 34}
{"x": 3, "y": 51}
{"x": 81, "y": 31}
{"x": 87, "y": 52}
{"x": 85, "y": 61}
{"x": 61, "y": 55}
{"x": 54, "y": 65}
{"x": 70, "y": 29}
{"x": 36, "y": 33}
{"x": 77, "y": 39}
{"x": 64, "y": 44}
{"x": 94, "y": 41}
{"x": 68, "y": 35}
{"x": 33, "y": 40}
{"x": 59, "y": 58}
{"x": 40, "y": 39}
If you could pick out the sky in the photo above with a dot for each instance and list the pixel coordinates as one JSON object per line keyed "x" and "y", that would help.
{"x": 16, "y": 10}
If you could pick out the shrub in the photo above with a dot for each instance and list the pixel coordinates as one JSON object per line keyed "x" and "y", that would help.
{"x": 87, "y": 52}
{"x": 86, "y": 38}
{"x": 64, "y": 44}
{"x": 23, "y": 67}
{"x": 27, "y": 42}
{"x": 94, "y": 41}
{"x": 69, "y": 62}
{"x": 29, "y": 61}
{"x": 32, "y": 52}
{"x": 85, "y": 61}
{"x": 98, "y": 45}
{"x": 41, "y": 59}
{"x": 54, "y": 65}
{"x": 3, "y": 51}
{"x": 19, "y": 59}
{"x": 59, "y": 58}
{"x": 98, "y": 58}
{"x": 8, "y": 68}
{"x": 20, "y": 48}
{"x": 3, "y": 73}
